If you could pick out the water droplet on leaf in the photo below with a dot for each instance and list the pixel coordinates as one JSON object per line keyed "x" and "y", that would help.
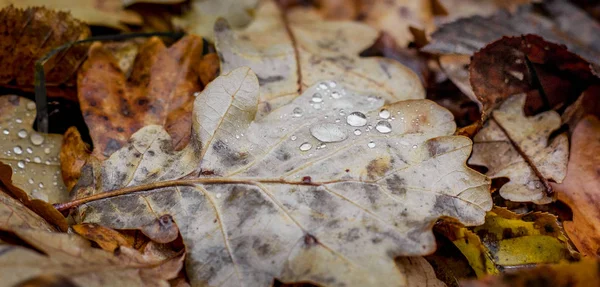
{"x": 297, "y": 112}
{"x": 22, "y": 134}
{"x": 357, "y": 132}
{"x": 371, "y": 144}
{"x": 356, "y": 119}
{"x": 328, "y": 132}
{"x": 317, "y": 98}
{"x": 384, "y": 114}
{"x": 36, "y": 138}
{"x": 383, "y": 127}
{"x": 18, "y": 150}
{"x": 305, "y": 146}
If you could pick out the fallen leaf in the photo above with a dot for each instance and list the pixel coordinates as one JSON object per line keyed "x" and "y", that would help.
{"x": 162, "y": 82}
{"x": 581, "y": 187}
{"x": 578, "y": 274}
{"x": 509, "y": 240}
{"x": 291, "y": 55}
{"x": 456, "y": 67}
{"x": 107, "y": 238}
{"x": 528, "y": 64}
{"x": 295, "y": 195}
{"x": 200, "y": 19}
{"x": 587, "y": 104}
{"x": 109, "y": 13}
{"x": 563, "y": 23}
{"x": 517, "y": 147}
{"x": 74, "y": 154}
{"x": 14, "y": 214}
{"x": 32, "y": 156}
{"x": 452, "y": 10}
{"x": 71, "y": 258}
{"x": 418, "y": 272}
{"x": 28, "y": 35}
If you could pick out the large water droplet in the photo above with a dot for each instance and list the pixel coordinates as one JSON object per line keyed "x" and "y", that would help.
{"x": 328, "y": 132}
{"x": 357, "y": 132}
{"x": 21, "y": 164}
{"x": 22, "y": 134}
{"x": 383, "y": 127}
{"x": 371, "y": 144}
{"x": 36, "y": 138}
{"x": 322, "y": 86}
{"x": 384, "y": 114}
{"x": 305, "y": 146}
{"x": 6, "y": 132}
{"x": 18, "y": 150}
{"x": 297, "y": 112}
{"x": 31, "y": 106}
{"x": 356, "y": 119}
{"x": 37, "y": 159}
{"x": 317, "y": 98}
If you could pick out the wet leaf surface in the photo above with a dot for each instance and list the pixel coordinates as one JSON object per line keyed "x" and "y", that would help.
{"x": 270, "y": 200}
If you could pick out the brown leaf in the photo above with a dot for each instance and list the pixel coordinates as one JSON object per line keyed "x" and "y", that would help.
{"x": 587, "y": 104}
{"x": 451, "y": 10}
{"x": 107, "y": 238}
{"x": 27, "y": 35}
{"x": 578, "y": 274}
{"x": 528, "y": 64}
{"x": 74, "y": 154}
{"x": 14, "y": 214}
{"x": 109, "y": 13}
{"x": 517, "y": 147}
{"x": 160, "y": 90}
{"x": 71, "y": 258}
{"x": 581, "y": 187}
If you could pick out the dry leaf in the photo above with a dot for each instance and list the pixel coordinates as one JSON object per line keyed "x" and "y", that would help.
{"x": 200, "y": 19}
{"x": 32, "y": 156}
{"x": 159, "y": 90}
{"x": 288, "y": 61}
{"x": 507, "y": 239}
{"x": 581, "y": 188}
{"x": 563, "y": 23}
{"x": 517, "y": 147}
{"x": 553, "y": 76}
{"x": 28, "y": 35}
{"x": 295, "y": 195}
{"x": 587, "y": 104}
{"x": 452, "y": 10}
{"x": 72, "y": 259}
{"x": 13, "y": 214}
{"x": 107, "y": 238}
{"x": 109, "y": 13}
{"x": 456, "y": 67}
{"x": 579, "y": 274}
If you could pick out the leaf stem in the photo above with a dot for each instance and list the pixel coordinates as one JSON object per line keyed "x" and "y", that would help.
{"x": 178, "y": 182}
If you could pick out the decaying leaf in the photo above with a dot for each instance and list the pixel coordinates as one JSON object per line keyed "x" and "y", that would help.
{"x": 579, "y": 274}
{"x": 32, "y": 156}
{"x": 72, "y": 259}
{"x": 456, "y": 67}
{"x": 29, "y": 34}
{"x": 587, "y": 104}
{"x": 452, "y": 10}
{"x": 581, "y": 188}
{"x": 159, "y": 90}
{"x": 108, "y": 13}
{"x": 290, "y": 56}
{"x": 200, "y": 19}
{"x": 507, "y": 239}
{"x": 551, "y": 75}
{"x": 107, "y": 238}
{"x": 308, "y": 193}
{"x": 517, "y": 147}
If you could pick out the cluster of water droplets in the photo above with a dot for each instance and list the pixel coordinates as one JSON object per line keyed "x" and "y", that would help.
{"x": 29, "y": 148}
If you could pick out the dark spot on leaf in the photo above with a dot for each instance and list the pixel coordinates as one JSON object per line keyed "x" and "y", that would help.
{"x": 262, "y": 81}
{"x": 306, "y": 179}
{"x": 395, "y": 185}
{"x": 111, "y": 146}
{"x": 310, "y": 240}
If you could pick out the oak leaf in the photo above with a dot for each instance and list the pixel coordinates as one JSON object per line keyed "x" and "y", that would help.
{"x": 299, "y": 195}
{"x": 517, "y": 147}
{"x": 581, "y": 187}
{"x": 291, "y": 53}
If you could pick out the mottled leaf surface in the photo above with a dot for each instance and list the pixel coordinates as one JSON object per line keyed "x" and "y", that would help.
{"x": 293, "y": 53}
{"x": 252, "y": 205}
{"x": 517, "y": 147}
{"x": 14, "y": 214}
